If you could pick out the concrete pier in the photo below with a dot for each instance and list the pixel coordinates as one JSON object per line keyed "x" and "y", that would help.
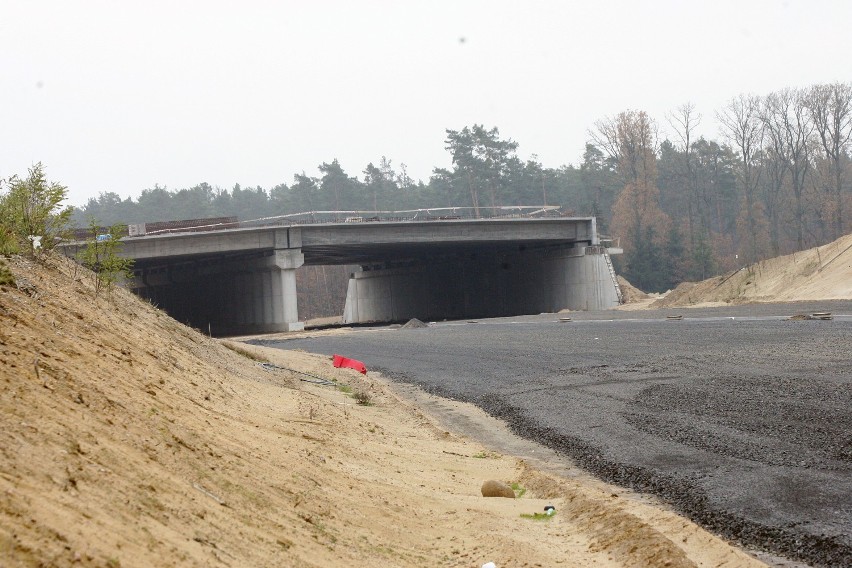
{"x": 227, "y": 298}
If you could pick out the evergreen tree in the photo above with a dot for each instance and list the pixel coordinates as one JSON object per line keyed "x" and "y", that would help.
{"x": 674, "y": 258}
{"x": 483, "y": 160}
{"x": 339, "y": 191}
{"x": 645, "y": 266}
{"x": 101, "y": 255}
{"x": 703, "y": 262}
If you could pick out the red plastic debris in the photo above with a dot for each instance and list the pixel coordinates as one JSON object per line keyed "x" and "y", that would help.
{"x": 341, "y": 361}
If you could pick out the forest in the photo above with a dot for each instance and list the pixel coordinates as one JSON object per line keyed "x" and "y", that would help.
{"x": 683, "y": 207}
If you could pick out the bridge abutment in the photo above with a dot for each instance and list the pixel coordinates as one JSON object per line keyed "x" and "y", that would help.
{"x": 485, "y": 285}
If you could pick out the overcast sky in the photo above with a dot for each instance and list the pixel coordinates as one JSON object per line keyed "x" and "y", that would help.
{"x": 119, "y": 96}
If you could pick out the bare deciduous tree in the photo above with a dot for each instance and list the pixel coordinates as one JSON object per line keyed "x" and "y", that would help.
{"x": 787, "y": 123}
{"x": 830, "y": 109}
{"x": 630, "y": 138}
{"x": 741, "y": 125}
{"x": 773, "y": 158}
{"x": 684, "y": 120}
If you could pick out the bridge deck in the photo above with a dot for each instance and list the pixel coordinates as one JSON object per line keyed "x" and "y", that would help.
{"x": 356, "y": 243}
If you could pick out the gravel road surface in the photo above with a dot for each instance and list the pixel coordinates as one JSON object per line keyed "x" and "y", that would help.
{"x": 738, "y": 417}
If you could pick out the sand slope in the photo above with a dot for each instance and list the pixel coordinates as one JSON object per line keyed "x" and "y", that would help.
{"x": 127, "y": 439}
{"x": 822, "y": 273}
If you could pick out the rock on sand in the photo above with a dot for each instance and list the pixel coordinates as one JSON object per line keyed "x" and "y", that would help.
{"x": 493, "y": 488}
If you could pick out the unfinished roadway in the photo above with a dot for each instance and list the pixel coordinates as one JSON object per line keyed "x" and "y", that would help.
{"x": 738, "y": 417}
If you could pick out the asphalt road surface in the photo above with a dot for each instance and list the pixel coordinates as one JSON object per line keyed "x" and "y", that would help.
{"x": 739, "y": 418}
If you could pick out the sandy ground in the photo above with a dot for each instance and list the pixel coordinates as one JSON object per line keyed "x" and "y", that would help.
{"x": 821, "y": 273}
{"x": 128, "y": 439}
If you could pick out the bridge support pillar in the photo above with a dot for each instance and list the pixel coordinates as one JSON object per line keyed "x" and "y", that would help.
{"x": 263, "y": 299}
{"x": 239, "y": 297}
{"x": 282, "y": 310}
{"x": 266, "y": 294}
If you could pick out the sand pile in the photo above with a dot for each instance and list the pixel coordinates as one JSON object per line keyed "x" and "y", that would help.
{"x": 631, "y": 293}
{"x": 821, "y": 273}
{"x": 414, "y": 323}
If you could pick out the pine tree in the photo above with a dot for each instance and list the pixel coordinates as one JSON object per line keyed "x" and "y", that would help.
{"x": 31, "y": 213}
{"x": 101, "y": 256}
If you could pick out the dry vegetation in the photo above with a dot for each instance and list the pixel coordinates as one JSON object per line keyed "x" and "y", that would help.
{"x": 127, "y": 439}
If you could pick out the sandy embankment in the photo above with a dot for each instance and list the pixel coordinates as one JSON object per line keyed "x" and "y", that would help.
{"x": 127, "y": 439}
{"x": 820, "y": 273}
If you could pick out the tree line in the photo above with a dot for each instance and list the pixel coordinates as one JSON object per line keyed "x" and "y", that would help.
{"x": 683, "y": 207}
{"x": 776, "y": 182}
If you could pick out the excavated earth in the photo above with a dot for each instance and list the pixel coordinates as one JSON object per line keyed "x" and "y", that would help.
{"x": 130, "y": 440}
{"x": 739, "y": 417}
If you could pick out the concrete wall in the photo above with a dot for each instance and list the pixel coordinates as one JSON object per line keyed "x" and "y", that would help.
{"x": 483, "y": 286}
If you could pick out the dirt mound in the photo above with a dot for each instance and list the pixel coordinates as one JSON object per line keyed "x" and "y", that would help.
{"x": 631, "y": 293}
{"x": 822, "y": 273}
{"x": 128, "y": 439}
{"x": 414, "y": 323}
{"x": 681, "y": 295}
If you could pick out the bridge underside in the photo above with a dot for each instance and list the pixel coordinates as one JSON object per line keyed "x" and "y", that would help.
{"x": 246, "y": 294}
{"x": 485, "y": 283}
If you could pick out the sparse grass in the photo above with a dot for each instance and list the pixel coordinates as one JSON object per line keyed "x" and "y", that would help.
{"x": 810, "y": 267}
{"x": 483, "y": 455}
{"x": 6, "y": 276}
{"x": 519, "y": 490}
{"x": 362, "y": 397}
{"x": 244, "y": 352}
{"x": 537, "y": 516}
{"x": 228, "y": 489}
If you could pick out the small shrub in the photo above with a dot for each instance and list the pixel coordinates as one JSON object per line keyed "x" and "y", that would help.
{"x": 101, "y": 255}
{"x": 362, "y": 397}
{"x": 8, "y": 241}
{"x": 32, "y": 207}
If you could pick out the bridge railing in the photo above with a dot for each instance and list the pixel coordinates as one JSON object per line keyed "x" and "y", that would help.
{"x": 317, "y": 217}
{"x": 423, "y": 214}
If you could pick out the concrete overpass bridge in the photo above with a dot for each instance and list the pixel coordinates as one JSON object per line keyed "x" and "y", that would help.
{"x": 243, "y": 280}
